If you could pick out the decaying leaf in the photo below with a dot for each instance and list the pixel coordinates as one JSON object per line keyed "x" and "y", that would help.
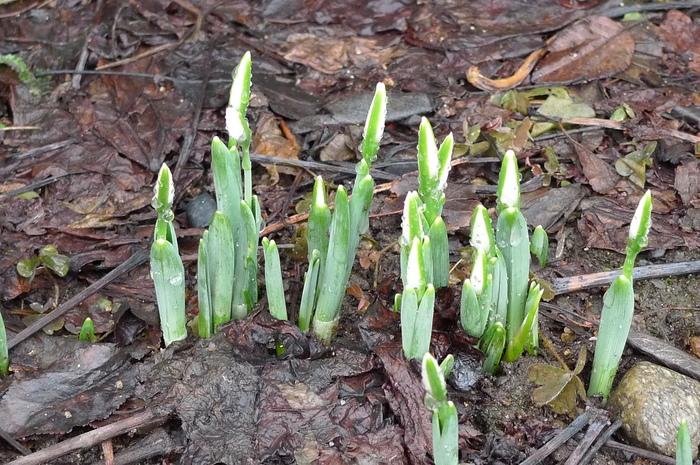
{"x": 634, "y": 164}
{"x": 559, "y": 388}
{"x": 592, "y": 48}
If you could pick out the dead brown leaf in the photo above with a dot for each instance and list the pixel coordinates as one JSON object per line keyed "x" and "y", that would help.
{"x": 331, "y": 54}
{"x": 600, "y": 175}
{"x": 592, "y": 48}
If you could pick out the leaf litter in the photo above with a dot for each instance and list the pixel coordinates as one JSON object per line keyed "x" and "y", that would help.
{"x": 98, "y": 146}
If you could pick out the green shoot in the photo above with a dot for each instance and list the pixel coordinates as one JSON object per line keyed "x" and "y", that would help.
{"x": 496, "y": 303}
{"x": 236, "y": 122}
{"x": 4, "y": 354}
{"x": 318, "y": 226}
{"x": 618, "y": 306}
{"x": 206, "y": 313}
{"x": 87, "y": 331}
{"x": 684, "y": 452}
{"x": 332, "y": 288}
{"x": 433, "y": 168}
{"x": 539, "y": 245}
{"x": 166, "y": 266}
{"x": 445, "y": 425}
{"x": 308, "y": 295}
{"x": 273, "y": 280}
{"x": 330, "y": 236}
{"x": 417, "y": 303}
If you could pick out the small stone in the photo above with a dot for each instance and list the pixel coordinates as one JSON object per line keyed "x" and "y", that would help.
{"x": 651, "y": 401}
{"x": 200, "y": 210}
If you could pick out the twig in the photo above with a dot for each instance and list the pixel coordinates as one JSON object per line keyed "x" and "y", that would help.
{"x": 600, "y": 419}
{"x": 82, "y": 59}
{"x": 556, "y": 442}
{"x": 314, "y": 165}
{"x": 31, "y": 6}
{"x": 13, "y": 442}
{"x": 586, "y": 281}
{"x": 607, "y": 434}
{"x": 38, "y": 184}
{"x": 132, "y": 262}
{"x": 42, "y": 149}
{"x": 88, "y": 439}
{"x": 192, "y": 133}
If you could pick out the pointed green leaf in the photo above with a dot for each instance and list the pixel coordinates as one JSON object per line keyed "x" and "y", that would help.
{"x": 308, "y": 295}
{"x": 615, "y": 322}
{"x": 169, "y": 279}
{"x": 220, "y": 262}
{"x": 374, "y": 126}
{"x": 273, "y": 280}
{"x": 539, "y": 245}
{"x": 87, "y": 331}
{"x": 206, "y": 313}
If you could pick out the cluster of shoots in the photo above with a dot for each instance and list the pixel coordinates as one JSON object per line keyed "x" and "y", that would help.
{"x": 228, "y": 251}
{"x": 425, "y": 257}
{"x": 227, "y": 261}
{"x": 618, "y": 306}
{"x": 445, "y": 425}
{"x": 332, "y": 238}
{"x": 498, "y": 303}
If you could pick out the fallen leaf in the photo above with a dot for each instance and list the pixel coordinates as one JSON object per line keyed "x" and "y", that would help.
{"x": 634, "y": 164}
{"x": 559, "y": 388}
{"x": 331, "y": 54}
{"x": 600, "y": 175}
{"x": 592, "y": 48}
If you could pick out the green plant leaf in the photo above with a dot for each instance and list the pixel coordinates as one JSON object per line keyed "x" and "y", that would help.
{"x": 539, "y": 245}
{"x": 27, "y": 268}
{"x": 4, "y": 357}
{"x": 558, "y": 387}
{"x": 56, "y": 262}
{"x": 440, "y": 251}
{"x": 273, "y": 280}
{"x": 634, "y": 164}
{"x": 169, "y": 278}
{"x": 562, "y": 106}
{"x": 309, "y": 294}
{"x": 615, "y": 322}
{"x": 492, "y": 345}
{"x": 206, "y": 314}
{"x": 374, "y": 126}
{"x": 87, "y": 331}
{"x": 220, "y": 267}
{"x": 684, "y": 451}
{"x": 332, "y": 288}
{"x": 433, "y": 382}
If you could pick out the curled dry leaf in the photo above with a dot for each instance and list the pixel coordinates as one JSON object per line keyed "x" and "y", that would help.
{"x": 593, "y": 48}
{"x": 559, "y": 388}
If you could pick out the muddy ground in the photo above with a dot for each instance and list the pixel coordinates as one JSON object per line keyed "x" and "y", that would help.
{"x": 78, "y": 159}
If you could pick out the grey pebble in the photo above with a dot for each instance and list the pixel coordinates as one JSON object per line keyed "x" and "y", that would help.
{"x": 652, "y": 400}
{"x": 200, "y": 210}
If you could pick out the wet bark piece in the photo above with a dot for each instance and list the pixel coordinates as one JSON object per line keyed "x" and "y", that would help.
{"x": 593, "y": 48}
{"x": 94, "y": 381}
{"x": 552, "y": 208}
{"x": 405, "y": 395}
{"x": 686, "y": 180}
